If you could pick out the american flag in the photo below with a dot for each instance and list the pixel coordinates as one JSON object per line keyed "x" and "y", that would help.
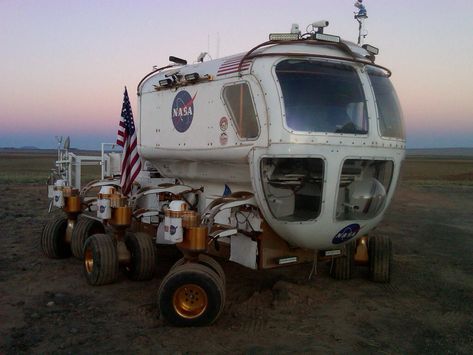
{"x": 232, "y": 64}
{"x": 126, "y": 137}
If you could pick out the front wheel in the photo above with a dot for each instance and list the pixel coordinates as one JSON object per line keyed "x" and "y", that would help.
{"x": 380, "y": 258}
{"x": 100, "y": 260}
{"x": 206, "y": 260}
{"x": 191, "y": 295}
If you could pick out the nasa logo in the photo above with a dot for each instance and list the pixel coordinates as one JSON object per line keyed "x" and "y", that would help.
{"x": 173, "y": 230}
{"x": 102, "y": 209}
{"x": 346, "y": 233}
{"x": 56, "y": 198}
{"x": 182, "y": 111}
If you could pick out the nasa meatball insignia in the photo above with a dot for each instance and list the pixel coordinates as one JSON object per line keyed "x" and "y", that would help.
{"x": 182, "y": 111}
{"x": 346, "y": 233}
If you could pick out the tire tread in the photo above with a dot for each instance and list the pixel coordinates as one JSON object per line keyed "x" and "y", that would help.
{"x": 380, "y": 258}
{"x": 143, "y": 256}
{"x": 84, "y": 228}
{"x": 104, "y": 252}
{"x": 53, "y": 242}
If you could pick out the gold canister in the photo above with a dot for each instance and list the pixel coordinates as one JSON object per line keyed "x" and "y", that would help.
{"x": 72, "y": 204}
{"x": 196, "y": 238}
{"x": 121, "y": 216}
{"x": 190, "y": 219}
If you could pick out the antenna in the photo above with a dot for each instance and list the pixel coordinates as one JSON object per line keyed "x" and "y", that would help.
{"x": 361, "y": 17}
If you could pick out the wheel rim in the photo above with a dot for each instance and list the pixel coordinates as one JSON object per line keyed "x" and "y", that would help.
{"x": 190, "y": 301}
{"x": 88, "y": 260}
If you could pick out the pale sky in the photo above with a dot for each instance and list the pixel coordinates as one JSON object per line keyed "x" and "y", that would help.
{"x": 63, "y": 64}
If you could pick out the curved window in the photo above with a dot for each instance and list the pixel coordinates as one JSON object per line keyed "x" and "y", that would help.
{"x": 389, "y": 111}
{"x": 322, "y": 97}
{"x": 364, "y": 185}
{"x": 293, "y": 187}
{"x": 242, "y": 110}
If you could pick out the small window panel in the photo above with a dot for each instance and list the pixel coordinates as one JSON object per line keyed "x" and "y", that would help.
{"x": 293, "y": 187}
{"x": 242, "y": 110}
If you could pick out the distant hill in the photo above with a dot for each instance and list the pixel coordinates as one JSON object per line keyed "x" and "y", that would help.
{"x": 36, "y": 150}
{"x": 441, "y": 152}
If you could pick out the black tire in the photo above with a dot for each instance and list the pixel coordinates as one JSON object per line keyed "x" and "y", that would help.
{"x": 214, "y": 265}
{"x": 100, "y": 260}
{"x": 342, "y": 267}
{"x": 204, "y": 259}
{"x": 53, "y": 239}
{"x": 180, "y": 262}
{"x": 380, "y": 258}
{"x": 143, "y": 257}
{"x": 84, "y": 228}
{"x": 202, "y": 266}
{"x": 191, "y": 295}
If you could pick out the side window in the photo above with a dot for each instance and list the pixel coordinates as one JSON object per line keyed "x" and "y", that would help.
{"x": 364, "y": 185}
{"x": 387, "y": 102}
{"x": 242, "y": 110}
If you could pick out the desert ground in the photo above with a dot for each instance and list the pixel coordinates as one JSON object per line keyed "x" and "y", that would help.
{"x": 46, "y": 306}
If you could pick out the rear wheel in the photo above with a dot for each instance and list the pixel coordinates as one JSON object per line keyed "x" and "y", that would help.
{"x": 143, "y": 256}
{"x": 342, "y": 267}
{"x": 53, "y": 239}
{"x": 191, "y": 295}
{"x": 380, "y": 258}
{"x": 100, "y": 260}
{"x": 84, "y": 228}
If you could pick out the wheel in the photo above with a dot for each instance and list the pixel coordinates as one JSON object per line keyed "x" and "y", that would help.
{"x": 380, "y": 258}
{"x": 84, "y": 228}
{"x": 191, "y": 295}
{"x": 204, "y": 259}
{"x": 214, "y": 265}
{"x": 143, "y": 256}
{"x": 53, "y": 239}
{"x": 342, "y": 267}
{"x": 100, "y": 260}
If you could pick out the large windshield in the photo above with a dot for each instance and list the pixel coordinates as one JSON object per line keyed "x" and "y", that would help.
{"x": 389, "y": 111}
{"x": 322, "y": 97}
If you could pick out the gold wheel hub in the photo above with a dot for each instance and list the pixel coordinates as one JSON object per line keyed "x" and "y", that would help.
{"x": 190, "y": 301}
{"x": 89, "y": 260}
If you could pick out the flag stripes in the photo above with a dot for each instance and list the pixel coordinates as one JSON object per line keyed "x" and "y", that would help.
{"x": 126, "y": 138}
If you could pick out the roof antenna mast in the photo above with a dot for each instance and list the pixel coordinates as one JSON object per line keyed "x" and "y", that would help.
{"x": 361, "y": 17}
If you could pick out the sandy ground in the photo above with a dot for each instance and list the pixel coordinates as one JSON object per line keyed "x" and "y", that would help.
{"x": 46, "y": 305}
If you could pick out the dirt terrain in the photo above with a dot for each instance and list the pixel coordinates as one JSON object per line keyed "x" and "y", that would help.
{"x": 46, "y": 306}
